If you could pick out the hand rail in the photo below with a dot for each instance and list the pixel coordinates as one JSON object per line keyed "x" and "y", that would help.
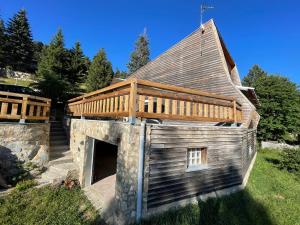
{"x": 14, "y": 106}
{"x": 146, "y": 99}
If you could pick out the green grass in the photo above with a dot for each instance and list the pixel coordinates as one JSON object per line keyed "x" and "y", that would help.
{"x": 46, "y": 205}
{"x": 272, "y": 197}
{"x": 25, "y": 83}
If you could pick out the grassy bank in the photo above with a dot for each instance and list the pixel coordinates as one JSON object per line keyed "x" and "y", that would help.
{"x": 272, "y": 197}
{"x": 47, "y": 206}
{"x": 25, "y": 83}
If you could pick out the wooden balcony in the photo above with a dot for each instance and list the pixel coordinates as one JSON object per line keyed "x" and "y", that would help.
{"x": 145, "y": 99}
{"x": 15, "y": 106}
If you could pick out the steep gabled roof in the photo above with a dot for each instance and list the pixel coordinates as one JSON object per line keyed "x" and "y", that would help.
{"x": 194, "y": 62}
{"x": 199, "y": 61}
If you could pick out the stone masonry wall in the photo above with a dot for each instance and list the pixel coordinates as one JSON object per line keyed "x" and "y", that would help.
{"x": 23, "y": 143}
{"x": 126, "y": 137}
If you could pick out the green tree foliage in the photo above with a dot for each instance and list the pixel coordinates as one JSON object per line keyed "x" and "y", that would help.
{"x": 3, "y": 54}
{"x": 140, "y": 56}
{"x": 52, "y": 70}
{"x": 20, "y": 43}
{"x": 78, "y": 65}
{"x": 120, "y": 74}
{"x": 38, "y": 48}
{"x": 100, "y": 72}
{"x": 279, "y": 109}
{"x": 54, "y": 57}
{"x": 254, "y": 73}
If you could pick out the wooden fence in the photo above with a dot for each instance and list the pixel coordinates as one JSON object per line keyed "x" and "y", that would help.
{"x": 145, "y": 99}
{"x": 15, "y": 106}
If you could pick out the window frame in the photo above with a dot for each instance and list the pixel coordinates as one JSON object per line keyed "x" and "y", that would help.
{"x": 195, "y": 162}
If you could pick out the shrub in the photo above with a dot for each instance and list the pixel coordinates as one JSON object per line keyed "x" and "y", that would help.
{"x": 290, "y": 160}
{"x": 25, "y": 184}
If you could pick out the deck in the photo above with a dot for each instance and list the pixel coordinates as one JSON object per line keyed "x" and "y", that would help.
{"x": 145, "y": 99}
{"x": 14, "y": 106}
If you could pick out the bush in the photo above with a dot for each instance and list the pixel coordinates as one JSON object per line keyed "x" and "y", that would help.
{"x": 25, "y": 184}
{"x": 290, "y": 160}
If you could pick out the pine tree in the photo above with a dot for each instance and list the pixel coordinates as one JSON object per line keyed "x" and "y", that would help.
{"x": 140, "y": 56}
{"x": 3, "y": 39}
{"x": 38, "y": 49}
{"x": 20, "y": 43}
{"x": 54, "y": 58}
{"x": 78, "y": 65}
{"x": 120, "y": 74}
{"x": 100, "y": 72}
{"x": 52, "y": 70}
{"x": 253, "y": 75}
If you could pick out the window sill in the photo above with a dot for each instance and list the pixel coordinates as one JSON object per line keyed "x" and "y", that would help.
{"x": 197, "y": 168}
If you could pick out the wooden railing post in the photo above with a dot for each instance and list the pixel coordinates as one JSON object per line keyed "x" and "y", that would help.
{"x": 48, "y": 111}
{"x": 23, "y": 109}
{"x": 83, "y": 109}
{"x": 132, "y": 102}
{"x": 234, "y": 112}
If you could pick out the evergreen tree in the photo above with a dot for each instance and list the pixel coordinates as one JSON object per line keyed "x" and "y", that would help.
{"x": 52, "y": 70}
{"x": 3, "y": 39}
{"x": 100, "y": 72}
{"x": 54, "y": 58}
{"x": 140, "y": 56}
{"x": 253, "y": 75}
{"x": 20, "y": 43}
{"x": 120, "y": 74}
{"x": 78, "y": 65}
{"x": 38, "y": 48}
{"x": 279, "y": 107}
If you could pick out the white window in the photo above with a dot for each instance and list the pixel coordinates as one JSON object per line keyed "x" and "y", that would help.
{"x": 196, "y": 157}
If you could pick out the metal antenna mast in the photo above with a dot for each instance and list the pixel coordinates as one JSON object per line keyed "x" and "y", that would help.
{"x": 203, "y": 8}
{"x": 202, "y": 11}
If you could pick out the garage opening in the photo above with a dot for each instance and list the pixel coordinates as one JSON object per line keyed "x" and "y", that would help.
{"x": 105, "y": 161}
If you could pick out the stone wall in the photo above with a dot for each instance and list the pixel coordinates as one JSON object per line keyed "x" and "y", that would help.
{"x": 15, "y": 74}
{"x": 126, "y": 137}
{"x": 23, "y": 143}
{"x": 277, "y": 145}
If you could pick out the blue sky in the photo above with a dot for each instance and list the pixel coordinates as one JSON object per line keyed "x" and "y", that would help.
{"x": 256, "y": 32}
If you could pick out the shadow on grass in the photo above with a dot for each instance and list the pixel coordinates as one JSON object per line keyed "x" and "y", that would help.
{"x": 237, "y": 209}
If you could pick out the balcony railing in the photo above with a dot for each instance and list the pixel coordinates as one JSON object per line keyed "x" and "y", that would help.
{"x": 145, "y": 99}
{"x": 23, "y": 107}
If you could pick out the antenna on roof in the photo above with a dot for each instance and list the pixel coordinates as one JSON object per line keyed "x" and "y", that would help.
{"x": 203, "y": 8}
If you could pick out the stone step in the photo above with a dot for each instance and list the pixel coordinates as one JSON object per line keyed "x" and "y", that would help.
{"x": 58, "y": 137}
{"x": 55, "y": 121}
{"x": 59, "y": 153}
{"x": 57, "y": 133}
{"x": 56, "y": 125}
{"x": 58, "y": 148}
{"x": 65, "y": 159}
{"x": 57, "y": 129}
{"x": 58, "y": 142}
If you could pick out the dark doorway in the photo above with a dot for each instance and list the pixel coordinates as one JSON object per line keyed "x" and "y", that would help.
{"x": 105, "y": 160}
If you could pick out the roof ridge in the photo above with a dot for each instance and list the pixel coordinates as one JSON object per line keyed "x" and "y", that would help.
{"x": 207, "y": 23}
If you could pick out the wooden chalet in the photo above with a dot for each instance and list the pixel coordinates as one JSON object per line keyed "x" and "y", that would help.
{"x": 183, "y": 126}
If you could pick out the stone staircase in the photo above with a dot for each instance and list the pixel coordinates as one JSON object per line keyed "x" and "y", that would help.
{"x": 59, "y": 145}
{"x": 60, "y": 164}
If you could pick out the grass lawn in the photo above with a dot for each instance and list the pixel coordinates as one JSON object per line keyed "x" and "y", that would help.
{"x": 25, "y": 83}
{"x": 272, "y": 197}
{"x": 47, "y": 206}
